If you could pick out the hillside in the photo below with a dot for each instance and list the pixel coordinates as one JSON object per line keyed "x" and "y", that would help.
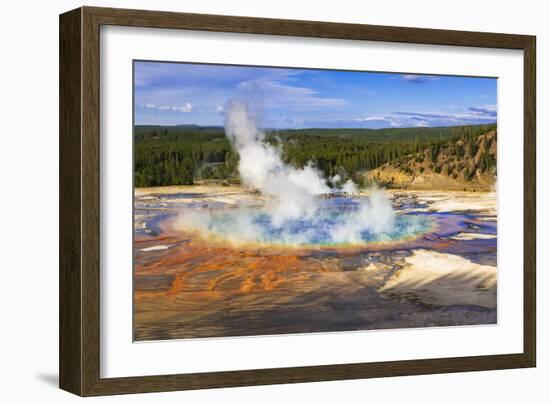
{"x": 464, "y": 163}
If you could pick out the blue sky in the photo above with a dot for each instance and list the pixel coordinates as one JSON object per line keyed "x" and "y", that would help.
{"x": 184, "y": 93}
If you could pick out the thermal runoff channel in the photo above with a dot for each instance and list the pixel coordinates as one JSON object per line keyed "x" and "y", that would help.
{"x": 302, "y": 206}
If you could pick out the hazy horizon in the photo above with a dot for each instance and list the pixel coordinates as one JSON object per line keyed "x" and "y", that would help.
{"x": 221, "y": 126}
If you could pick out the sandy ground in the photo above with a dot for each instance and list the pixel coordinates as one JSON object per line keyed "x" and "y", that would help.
{"x": 440, "y": 201}
{"x": 230, "y": 195}
{"x": 453, "y": 201}
{"x": 445, "y": 279}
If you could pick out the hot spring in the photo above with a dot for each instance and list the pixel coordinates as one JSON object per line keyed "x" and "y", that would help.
{"x": 334, "y": 222}
{"x": 295, "y": 212}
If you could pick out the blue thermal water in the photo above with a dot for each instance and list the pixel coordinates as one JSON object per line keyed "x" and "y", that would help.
{"x": 334, "y": 223}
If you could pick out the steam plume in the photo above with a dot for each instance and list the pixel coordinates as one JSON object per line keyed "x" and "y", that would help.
{"x": 292, "y": 195}
{"x": 293, "y": 191}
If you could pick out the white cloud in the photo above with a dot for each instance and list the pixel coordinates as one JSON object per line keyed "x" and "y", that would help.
{"x": 417, "y": 78}
{"x": 421, "y": 123}
{"x": 370, "y": 118}
{"x": 489, "y": 111}
{"x": 471, "y": 115}
{"x": 186, "y": 108}
{"x": 277, "y": 93}
{"x": 390, "y": 120}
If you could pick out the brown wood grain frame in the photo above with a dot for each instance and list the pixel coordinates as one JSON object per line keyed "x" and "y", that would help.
{"x": 79, "y": 86}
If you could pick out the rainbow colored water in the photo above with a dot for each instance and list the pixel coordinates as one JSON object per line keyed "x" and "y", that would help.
{"x": 327, "y": 226}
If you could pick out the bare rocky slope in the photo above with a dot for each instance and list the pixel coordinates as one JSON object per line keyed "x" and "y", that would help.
{"x": 467, "y": 163}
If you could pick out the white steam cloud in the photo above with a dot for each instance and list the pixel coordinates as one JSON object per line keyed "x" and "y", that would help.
{"x": 293, "y": 191}
{"x": 292, "y": 194}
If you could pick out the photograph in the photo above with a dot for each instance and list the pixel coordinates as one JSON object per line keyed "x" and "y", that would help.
{"x": 278, "y": 200}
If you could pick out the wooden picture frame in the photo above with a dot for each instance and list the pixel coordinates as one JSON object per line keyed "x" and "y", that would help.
{"x": 79, "y": 346}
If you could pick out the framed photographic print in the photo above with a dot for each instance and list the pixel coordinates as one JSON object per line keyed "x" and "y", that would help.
{"x": 249, "y": 201}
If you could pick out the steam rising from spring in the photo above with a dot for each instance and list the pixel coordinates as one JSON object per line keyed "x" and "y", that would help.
{"x": 294, "y": 212}
{"x": 293, "y": 191}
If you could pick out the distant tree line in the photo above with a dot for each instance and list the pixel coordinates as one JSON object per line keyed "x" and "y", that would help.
{"x": 181, "y": 155}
